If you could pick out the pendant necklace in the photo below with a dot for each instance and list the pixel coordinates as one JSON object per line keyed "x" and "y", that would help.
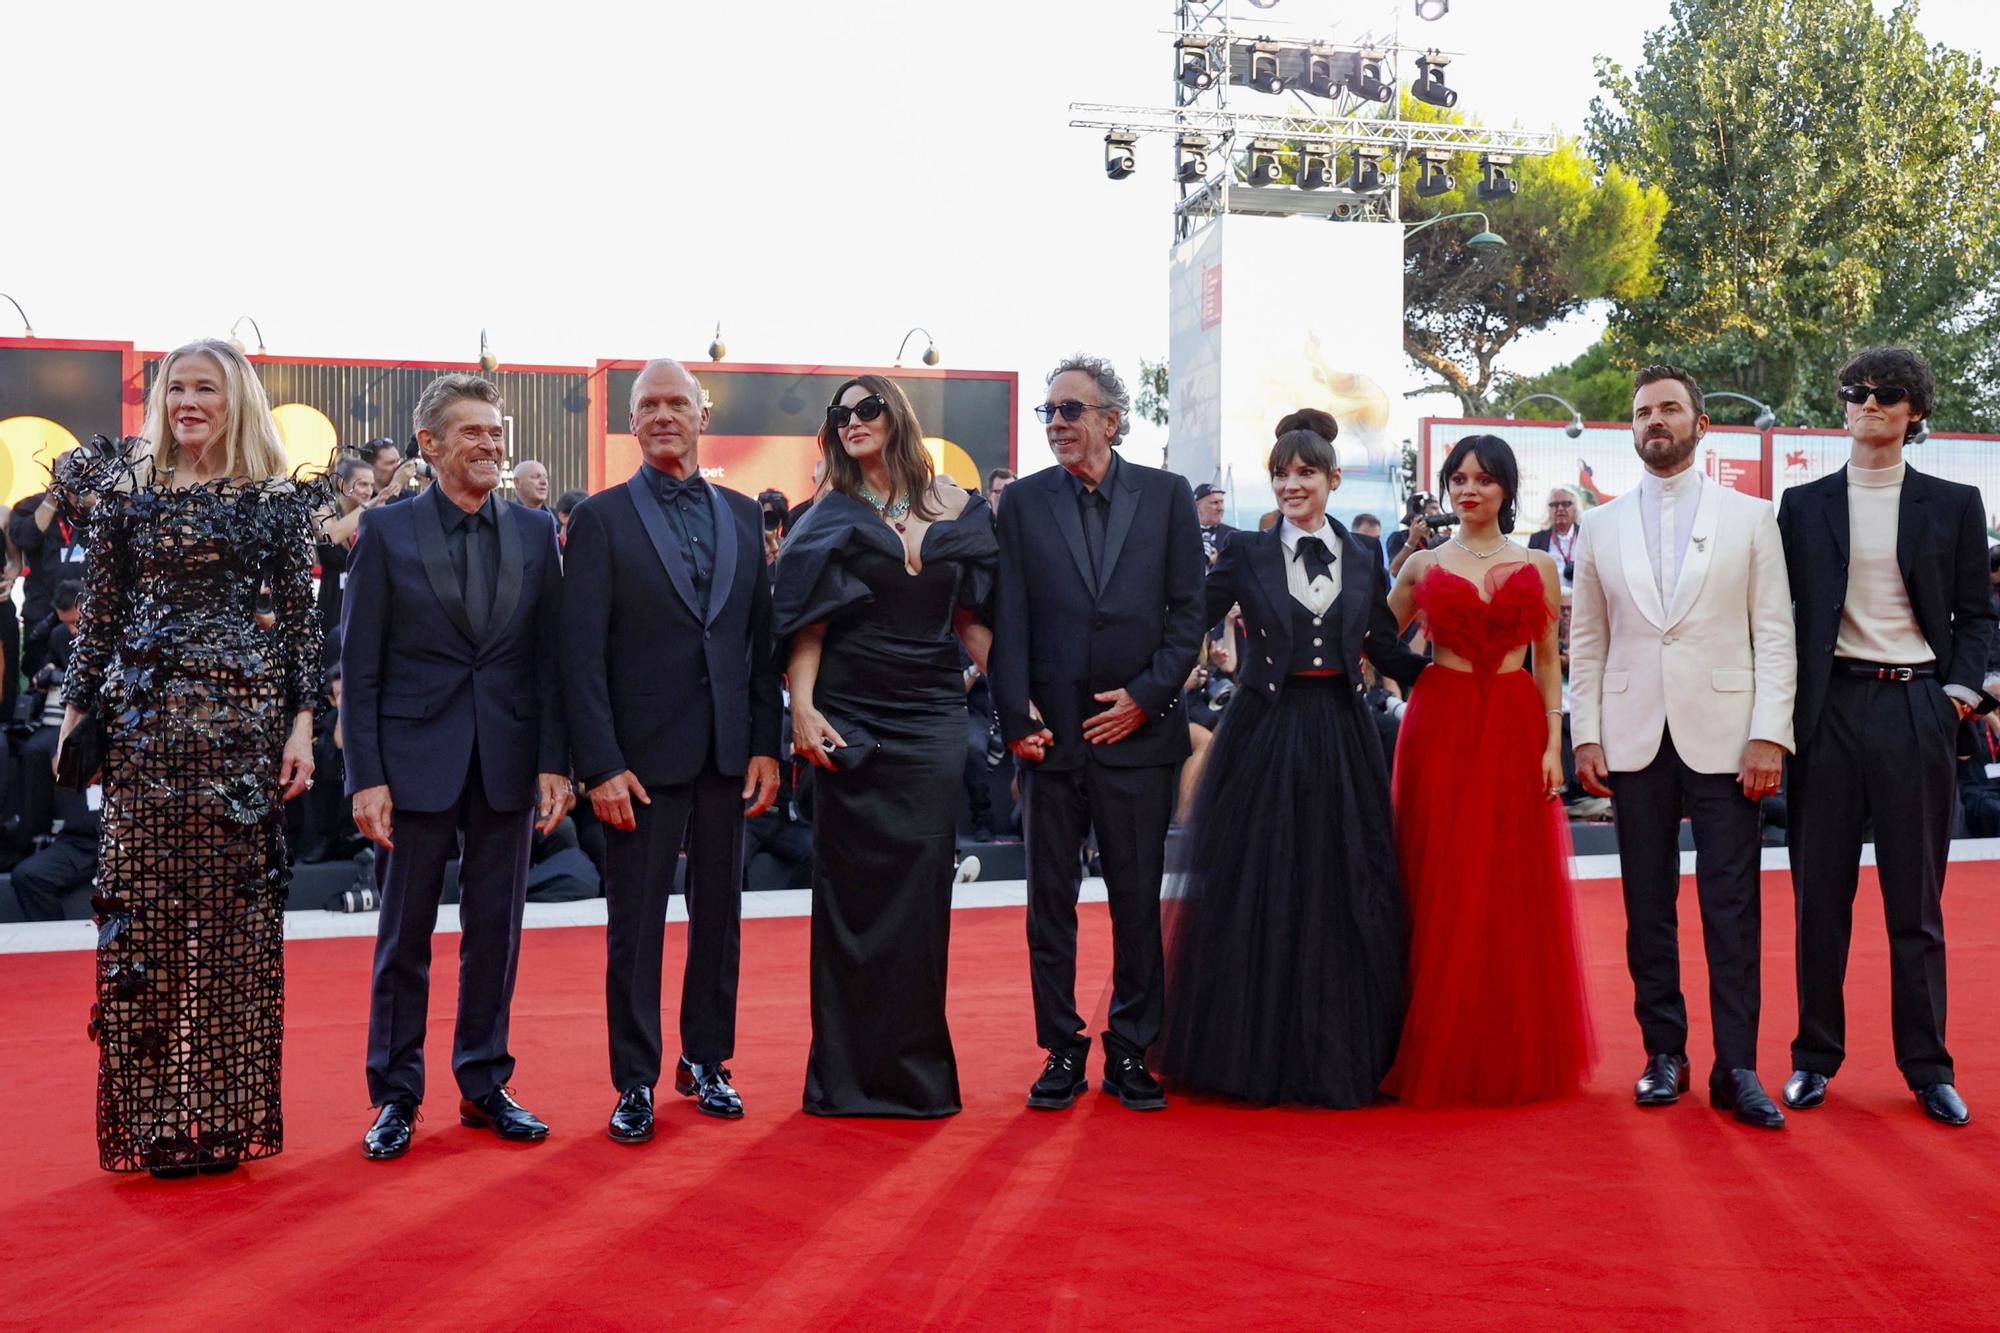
{"x": 894, "y": 513}
{"x": 1480, "y": 555}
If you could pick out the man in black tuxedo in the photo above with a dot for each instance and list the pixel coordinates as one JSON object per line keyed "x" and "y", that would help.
{"x": 1889, "y": 589}
{"x": 1098, "y": 622}
{"x": 453, "y": 729}
{"x": 674, "y": 705}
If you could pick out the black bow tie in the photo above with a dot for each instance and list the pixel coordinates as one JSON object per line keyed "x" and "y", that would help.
{"x": 1318, "y": 561}
{"x": 675, "y": 488}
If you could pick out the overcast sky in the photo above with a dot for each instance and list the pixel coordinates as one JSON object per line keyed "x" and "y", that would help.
{"x": 591, "y": 179}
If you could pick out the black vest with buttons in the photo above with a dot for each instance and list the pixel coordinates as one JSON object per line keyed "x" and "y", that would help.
{"x": 1315, "y": 639}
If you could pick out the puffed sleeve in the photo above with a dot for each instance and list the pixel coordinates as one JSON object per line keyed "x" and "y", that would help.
{"x": 969, "y": 541}
{"x": 814, "y": 581}
{"x": 108, "y": 577}
{"x": 298, "y": 628}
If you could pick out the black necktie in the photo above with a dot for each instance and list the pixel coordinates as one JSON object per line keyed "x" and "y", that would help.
{"x": 478, "y": 575}
{"x": 1094, "y": 505}
{"x": 1312, "y": 553}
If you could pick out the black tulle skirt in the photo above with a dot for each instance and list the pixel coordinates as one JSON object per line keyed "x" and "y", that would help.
{"x": 1285, "y": 932}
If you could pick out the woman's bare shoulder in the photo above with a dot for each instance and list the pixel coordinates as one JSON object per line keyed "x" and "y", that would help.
{"x": 950, "y": 498}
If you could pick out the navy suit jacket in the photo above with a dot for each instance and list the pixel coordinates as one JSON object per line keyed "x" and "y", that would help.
{"x": 418, "y": 691}
{"x": 1060, "y": 638}
{"x": 638, "y": 654}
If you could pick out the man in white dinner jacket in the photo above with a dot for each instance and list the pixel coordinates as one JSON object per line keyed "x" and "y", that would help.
{"x": 1683, "y": 664}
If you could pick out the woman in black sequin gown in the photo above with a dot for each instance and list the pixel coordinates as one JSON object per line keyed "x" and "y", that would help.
{"x": 877, "y": 587}
{"x": 198, "y": 649}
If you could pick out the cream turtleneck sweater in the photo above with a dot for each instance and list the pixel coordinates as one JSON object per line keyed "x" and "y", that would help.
{"x": 1877, "y": 624}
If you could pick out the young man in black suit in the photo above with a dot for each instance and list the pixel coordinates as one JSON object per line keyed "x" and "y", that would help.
{"x": 674, "y": 704}
{"x": 1889, "y": 589}
{"x": 452, "y": 723}
{"x": 1098, "y": 622}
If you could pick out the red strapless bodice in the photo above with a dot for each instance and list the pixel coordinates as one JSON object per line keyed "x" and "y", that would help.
{"x": 1483, "y": 628}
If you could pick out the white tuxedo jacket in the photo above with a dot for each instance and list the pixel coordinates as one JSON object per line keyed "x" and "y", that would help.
{"x": 1719, "y": 667}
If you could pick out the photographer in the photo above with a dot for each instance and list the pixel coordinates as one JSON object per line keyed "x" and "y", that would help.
{"x": 774, "y": 507}
{"x": 354, "y": 489}
{"x": 52, "y": 548}
{"x": 399, "y": 473}
{"x": 42, "y": 707}
{"x": 1559, "y": 537}
{"x": 1424, "y": 524}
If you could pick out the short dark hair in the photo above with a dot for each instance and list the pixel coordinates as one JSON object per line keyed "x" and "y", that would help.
{"x": 569, "y": 500}
{"x": 1993, "y": 560}
{"x": 1303, "y": 446}
{"x": 996, "y": 474}
{"x": 1359, "y": 519}
{"x": 1653, "y": 375}
{"x": 1904, "y": 369}
{"x": 1319, "y": 422}
{"x": 69, "y": 593}
{"x": 1497, "y": 457}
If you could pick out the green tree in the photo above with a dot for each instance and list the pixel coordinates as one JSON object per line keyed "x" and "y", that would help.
{"x": 1151, "y": 403}
{"x": 1575, "y": 234}
{"x": 1833, "y": 184}
{"x": 1596, "y": 382}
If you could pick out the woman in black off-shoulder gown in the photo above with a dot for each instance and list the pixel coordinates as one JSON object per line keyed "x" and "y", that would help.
{"x": 884, "y": 832}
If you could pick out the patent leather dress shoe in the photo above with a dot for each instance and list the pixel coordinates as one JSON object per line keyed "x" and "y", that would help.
{"x": 1061, "y": 1083}
{"x": 1942, "y": 1103}
{"x": 632, "y": 1122}
{"x": 499, "y": 1112}
{"x": 1805, "y": 1090}
{"x": 1738, "y": 1092}
{"x": 708, "y": 1084}
{"x": 1665, "y": 1079}
{"x": 389, "y": 1136}
{"x": 1137, "y": 1089}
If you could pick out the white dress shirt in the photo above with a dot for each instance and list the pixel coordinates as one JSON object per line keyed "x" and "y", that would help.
{"x": 1668, "y": 504}
{"x": 1314, "y": 594}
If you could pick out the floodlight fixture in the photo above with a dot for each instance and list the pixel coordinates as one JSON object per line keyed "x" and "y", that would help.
{"x": 1432, "y": 178}
{"x": 489, "y": 361}
{"x": 718, "y": 349}
{"x": 931, "y": 356}
{"x": 27, "y": 329}
{"x": 1497, "y": 177}
{"x": 1191, "y": 157}
{"x": 1430, "y": 11}
{"x": 1430, "y": 87}
{"x": 1367, "y": 82}
{"x": 1264, "y": 166}
{"x": 1121, "y": 154}
{"x": 237, "y": 342}
{"x": 1766, "y": 418}
{"x": 1365, "y": 172}
{"x": 1575, "y": 426}
{"x": 1315, "y": 168}
{"x": 1197, "y": 68}
{"x": 1264, "y": 75}
{"x": 1327, "y": 71}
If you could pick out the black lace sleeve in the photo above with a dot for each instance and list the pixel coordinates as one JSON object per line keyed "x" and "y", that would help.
{"x": 298, "y": 626}
{"x": 92, "y": 498}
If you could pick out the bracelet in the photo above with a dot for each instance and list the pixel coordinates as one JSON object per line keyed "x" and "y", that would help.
{"x": 1552, "y": 712}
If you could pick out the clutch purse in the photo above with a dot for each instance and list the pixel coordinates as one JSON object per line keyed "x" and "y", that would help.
{"x": 81, "y": 758}
{"x": 860, "y": 748}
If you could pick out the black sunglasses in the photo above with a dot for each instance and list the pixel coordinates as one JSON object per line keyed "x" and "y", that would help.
{"x": 1888, "y": 395}
{"x": 1070, "y": 408}
{"x": 867, "y": 410}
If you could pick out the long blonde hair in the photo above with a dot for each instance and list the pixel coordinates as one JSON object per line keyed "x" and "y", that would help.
{"x": 252, "y": 449}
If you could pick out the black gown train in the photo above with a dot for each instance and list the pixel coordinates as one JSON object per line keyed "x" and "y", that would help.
{"x": 884, "y": 833}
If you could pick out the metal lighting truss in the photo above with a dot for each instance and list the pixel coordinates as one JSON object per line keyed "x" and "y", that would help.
{"x": 1205, "y": 113}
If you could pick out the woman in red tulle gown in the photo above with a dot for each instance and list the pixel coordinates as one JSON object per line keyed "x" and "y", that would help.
{"x": 1496, "y": 1013}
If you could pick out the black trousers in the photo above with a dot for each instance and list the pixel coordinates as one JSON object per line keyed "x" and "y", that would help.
{"x": 492, "y": 888}
{"x": 1882, "y": 752}
{"x": 1648, "y": 806}
{"x": 42, "y": 881}
{"x": 1130, "y": 809}
{"x": 706, "y": 817}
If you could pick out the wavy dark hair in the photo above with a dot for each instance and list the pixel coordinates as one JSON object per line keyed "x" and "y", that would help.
{"x": 908, "y": 461}
{"x": 1902, "y": 368}
{"x": 1497, "y": 457}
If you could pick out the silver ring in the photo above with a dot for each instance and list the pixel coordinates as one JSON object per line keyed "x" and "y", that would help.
{"x": 826, "y": 743}
{"x": 309, "y": 783}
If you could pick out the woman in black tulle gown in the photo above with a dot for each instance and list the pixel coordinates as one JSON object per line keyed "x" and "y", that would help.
{"x": 877, "y": 587}
{"x": 1286, "y": 936}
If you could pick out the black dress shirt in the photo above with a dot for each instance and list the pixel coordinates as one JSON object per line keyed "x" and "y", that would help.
{"x": 1094, "y": 508}
{"x": 692, "y": 519}
{"x": 473, "y": 541}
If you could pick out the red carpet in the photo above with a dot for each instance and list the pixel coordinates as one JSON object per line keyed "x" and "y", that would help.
{"x": 1582, "y": 1212}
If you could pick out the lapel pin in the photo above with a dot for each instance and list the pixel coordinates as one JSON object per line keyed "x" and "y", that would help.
{"x": 1700, "y": 543}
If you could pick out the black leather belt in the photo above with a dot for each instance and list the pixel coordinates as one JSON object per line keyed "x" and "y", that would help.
{"x": 1884, "y": 671}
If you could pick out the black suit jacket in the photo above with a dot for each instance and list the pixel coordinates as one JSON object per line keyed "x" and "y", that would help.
{"x": 1058, "y": 638}
{"x": 1941, "y": 546}
{"x": 418, "y": 691}
{"x": 639, "y": 656}
{"x": 1250, "y": 573}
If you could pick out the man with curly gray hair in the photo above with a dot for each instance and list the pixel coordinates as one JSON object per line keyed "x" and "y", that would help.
{"x": 1098, "y": 621}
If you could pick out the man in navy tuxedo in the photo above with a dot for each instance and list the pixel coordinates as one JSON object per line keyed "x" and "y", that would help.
{"x": 454, "y": 736}
{"x": 674, "y": 708}
{"x": 1097, "y": 625}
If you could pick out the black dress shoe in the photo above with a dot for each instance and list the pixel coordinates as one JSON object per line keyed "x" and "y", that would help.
{"x": 499, "y": 1112}
{"x": 1665, "y": 1079}
{"x": 708, "y": 1084}
{"x": 1738, "y": 1092}
{"x": 1942, "y": 1103}
{"x": 1062, "y": 1081}
{"x": 1137, "y": 1090}
{"x": 389, "y": 1136}
{"x": 1805, "y": 1090}
{"x": 632, "y": 1122}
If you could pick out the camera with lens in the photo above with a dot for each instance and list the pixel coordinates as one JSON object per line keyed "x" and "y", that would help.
{"x": 1437, "y": 522}
{"x": 772, "y": 502}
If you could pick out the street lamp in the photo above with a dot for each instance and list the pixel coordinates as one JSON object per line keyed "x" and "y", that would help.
{"x": 488, "y": 360}
{"x": 237, "y": 342}
{"x": 1766, "y": 418}
{"x": 718, "y": 349}
{"x": 27, "y": 329}
{"x": 931, "y": 356}
{"x": 1575, "y": 426}
{"x": 1484, "y": 242}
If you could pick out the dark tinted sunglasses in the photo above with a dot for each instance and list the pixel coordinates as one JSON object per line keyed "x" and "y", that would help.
{"x": 867, "y": 410}
{"x": 1070, "y": 408}
{"x": 1888, "y": 395}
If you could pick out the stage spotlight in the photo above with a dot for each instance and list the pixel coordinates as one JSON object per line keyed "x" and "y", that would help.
{"x": 1432, "y": 178}
{"x": 1432, "y": 10}
{"x": 1196, "y": 70}
{"x": 1497, "y": 179}
{"x": 1367, "y": 82}
{"x": 1429, "y": 87}
{"x": 1121, "y": 154}
{"x": 1364, "y": 174}
{"x": 1315, "y": 169}
{"x": 1326, "y": 71}
{"x": 1264, "y": 75}
{"x": 1264, "y": 168}
{"x": 1192, "y": 157}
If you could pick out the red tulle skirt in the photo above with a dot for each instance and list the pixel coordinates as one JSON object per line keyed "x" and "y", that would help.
{"x": 1496, "y": 1014}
